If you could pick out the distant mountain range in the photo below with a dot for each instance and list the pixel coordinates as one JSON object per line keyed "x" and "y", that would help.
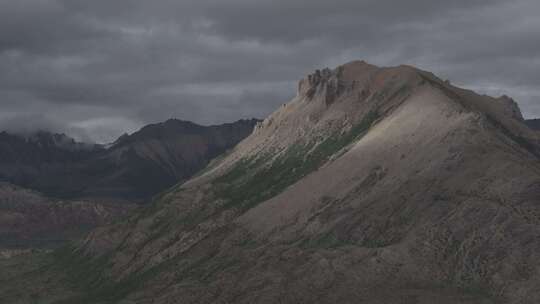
{"x": 533, "y": 123}
{"x": 31, "y": 220}
{"x": 135, "y": 167}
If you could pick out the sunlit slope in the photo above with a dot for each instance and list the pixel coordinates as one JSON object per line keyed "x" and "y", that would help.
{"x": 372, "y": 184}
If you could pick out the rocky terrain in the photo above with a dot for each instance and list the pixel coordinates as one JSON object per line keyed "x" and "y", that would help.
{"x": 28, "y": 220}
{"x": 373, "y": 185}
{"x": 134, "y": 168}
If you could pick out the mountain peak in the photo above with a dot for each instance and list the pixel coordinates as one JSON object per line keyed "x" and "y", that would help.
{"x": 354, "y": 77}
{"x": 358, "y": 85}
{"x": 392, "y": 163}
{"x": 49, "y": 140}
{"x": 332, "y": 102}
{"x": 331, "y": 83}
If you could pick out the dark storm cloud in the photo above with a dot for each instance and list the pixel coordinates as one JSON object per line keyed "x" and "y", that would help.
{"x": 43, "y": 25}
{"x": 100, "y": 68}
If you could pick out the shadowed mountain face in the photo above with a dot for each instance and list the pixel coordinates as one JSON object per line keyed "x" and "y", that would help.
{"x": 373, "y": 185}
{"x": 48, "y": 162}
{"x": 159, "y": 156}
{"x": 533, "y": 124}
{"x": 135, "y": 167}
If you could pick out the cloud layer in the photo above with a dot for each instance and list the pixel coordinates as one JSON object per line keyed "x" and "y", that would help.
{"x": 100, "y": 68}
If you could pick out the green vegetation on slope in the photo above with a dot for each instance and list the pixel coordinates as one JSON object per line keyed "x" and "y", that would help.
{"x": 88, "y": 277}
{"x": 23, "y": 278}
{"x": 253, "y": 181}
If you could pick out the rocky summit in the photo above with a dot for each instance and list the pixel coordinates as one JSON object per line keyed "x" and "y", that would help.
{"x": 373, "y": 185}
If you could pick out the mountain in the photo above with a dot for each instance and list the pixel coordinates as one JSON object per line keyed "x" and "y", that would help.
{"x": 30, "y": 220}
{"x": 135, "y": 167}
{"x": 37, "y": 149}
{"x": 533, "y": 123}
{"x": 373, "y": 185}
{"x": 44, "y": 161}
{"x": 161, "y": 155}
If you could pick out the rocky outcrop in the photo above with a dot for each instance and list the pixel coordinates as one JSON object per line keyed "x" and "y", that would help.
{"x": 325, "y": 84}
{"x": 511, "y": 107}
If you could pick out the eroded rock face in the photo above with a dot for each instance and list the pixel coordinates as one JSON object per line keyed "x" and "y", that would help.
{"x": 402, "y": 189}
{"x": 325, "y": 84}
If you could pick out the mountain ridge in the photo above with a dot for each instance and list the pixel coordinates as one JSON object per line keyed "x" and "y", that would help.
{"x": 60, "y": 167}
{"x": 533, "y": 123}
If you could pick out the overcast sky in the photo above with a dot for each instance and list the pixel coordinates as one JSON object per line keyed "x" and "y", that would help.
{"x": 96, "y": 69}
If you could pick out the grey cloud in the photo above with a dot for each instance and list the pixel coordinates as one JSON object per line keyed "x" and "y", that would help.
{"x": 43, "y": 26}
{"x": 111, "y": 66}
{"x": 25, "y": 124}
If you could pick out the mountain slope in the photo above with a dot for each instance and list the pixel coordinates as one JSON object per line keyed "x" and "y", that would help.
{"x": 373, "y": 185}
{"x": 30, "y": 220}
{"x": 160, "y": 155}
{"x": 45, "y": 161}
{"x": 136, "y": 167}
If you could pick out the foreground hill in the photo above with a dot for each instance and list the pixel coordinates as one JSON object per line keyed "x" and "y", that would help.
{"x": 136, "y": 167}
{"x": 373, "y": 185}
